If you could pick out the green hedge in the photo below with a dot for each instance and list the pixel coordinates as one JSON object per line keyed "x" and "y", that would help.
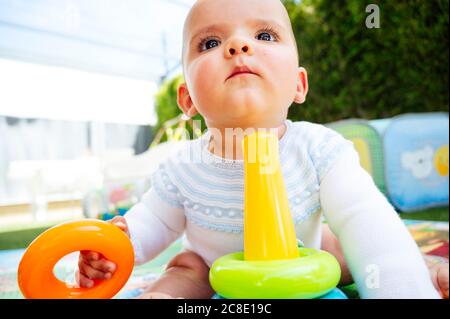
{"x": 371, "y": 73}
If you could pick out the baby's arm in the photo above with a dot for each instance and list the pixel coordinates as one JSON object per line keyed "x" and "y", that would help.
{"x": 153, "y": 225}
{"x": 383, "y": 258}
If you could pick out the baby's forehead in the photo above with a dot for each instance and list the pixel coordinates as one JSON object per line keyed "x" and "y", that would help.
{"x": 205, "y": 12}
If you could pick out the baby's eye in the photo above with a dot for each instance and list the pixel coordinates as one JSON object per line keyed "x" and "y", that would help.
{"x": 208, "y": 44}
{"x": 265, "y": 36}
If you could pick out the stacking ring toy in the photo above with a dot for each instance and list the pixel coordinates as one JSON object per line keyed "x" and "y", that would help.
{"x": 35, "y": 273}
{"x": 313, "y": 274}
{"x": 271, "y": 266}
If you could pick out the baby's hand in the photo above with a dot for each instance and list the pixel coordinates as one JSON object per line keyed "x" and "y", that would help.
{"x": 93, "y": 265}
{"x": 439, "y": 275}
{"x": 441, "y": 279}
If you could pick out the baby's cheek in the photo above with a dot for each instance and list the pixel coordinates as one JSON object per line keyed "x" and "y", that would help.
{"x": 289, "y": 68}
{"x": 283, "y": 65}
{"x": 203, "y": 83}
{"x": 203, "y": 73}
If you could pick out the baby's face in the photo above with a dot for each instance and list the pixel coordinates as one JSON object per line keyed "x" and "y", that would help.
{"x": 240, "y": 63}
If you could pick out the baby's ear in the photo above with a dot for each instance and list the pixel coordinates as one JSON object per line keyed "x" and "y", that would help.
{"x": 184, "y": 101}
{"x": 302, "y": 86}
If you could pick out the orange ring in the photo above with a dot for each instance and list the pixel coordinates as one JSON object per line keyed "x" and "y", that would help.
{"x": 35, "y": 273}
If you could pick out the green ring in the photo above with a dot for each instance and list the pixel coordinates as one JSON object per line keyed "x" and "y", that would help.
{"x": 312, "y": 275}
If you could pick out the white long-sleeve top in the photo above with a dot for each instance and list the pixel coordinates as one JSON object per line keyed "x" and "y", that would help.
{"x": 200, "y": 196}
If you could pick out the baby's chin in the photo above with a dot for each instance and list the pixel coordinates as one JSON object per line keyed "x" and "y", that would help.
{"x": 245, "y": 99}
{"x": 247, "y": 105}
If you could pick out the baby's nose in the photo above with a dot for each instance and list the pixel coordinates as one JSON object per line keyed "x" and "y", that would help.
{"x": 237, "y": 46}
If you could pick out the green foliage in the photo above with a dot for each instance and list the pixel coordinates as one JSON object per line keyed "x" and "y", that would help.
{"x": 166, "y": 105}
{"x": 371, "y": 73}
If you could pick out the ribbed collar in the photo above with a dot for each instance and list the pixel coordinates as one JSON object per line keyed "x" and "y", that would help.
{"x": 224, "y": 163}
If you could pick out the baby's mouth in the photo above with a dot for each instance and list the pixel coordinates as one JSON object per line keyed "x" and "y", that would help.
{"x": 241, "y": 71}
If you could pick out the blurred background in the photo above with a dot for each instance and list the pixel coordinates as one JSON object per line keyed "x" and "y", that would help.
{"x": 78, "y": 80}
{"x": 88, "y": 92}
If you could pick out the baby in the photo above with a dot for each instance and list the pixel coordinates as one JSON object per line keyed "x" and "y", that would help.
{"x": 240, "y": 63}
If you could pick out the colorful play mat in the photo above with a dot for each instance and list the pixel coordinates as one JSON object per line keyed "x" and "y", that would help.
{"x": 431, "y": 237}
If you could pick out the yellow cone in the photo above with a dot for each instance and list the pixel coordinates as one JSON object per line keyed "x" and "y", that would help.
{"x": 268, "y": 227}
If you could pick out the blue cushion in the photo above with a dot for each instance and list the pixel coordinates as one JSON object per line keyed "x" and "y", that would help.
{"x": 416, "y": 160}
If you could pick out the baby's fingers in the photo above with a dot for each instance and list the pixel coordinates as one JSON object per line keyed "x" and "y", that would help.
{"x": 89, "y": 255}
{"x": 92, "y": 273}
{"x": 120, "y": 222}
{"x": 443, "y": 280}
{"x": 103, "y": 265}
{"x": 84, "y": 281}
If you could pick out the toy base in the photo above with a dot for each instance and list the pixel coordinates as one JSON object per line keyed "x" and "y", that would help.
{"x": 336, "y": 293}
